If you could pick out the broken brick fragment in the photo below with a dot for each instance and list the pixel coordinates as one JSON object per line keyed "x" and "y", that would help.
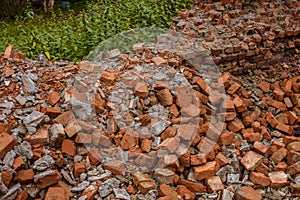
{"x": 7, "y": 142}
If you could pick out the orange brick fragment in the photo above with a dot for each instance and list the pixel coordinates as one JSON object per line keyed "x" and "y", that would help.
{"x": 68, "y": 147}
{"x": 7, "y": 142}
{"x": 55, "y": 193}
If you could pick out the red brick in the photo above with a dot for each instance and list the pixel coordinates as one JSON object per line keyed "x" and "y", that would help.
{"x": 239, "y": 104}
{"x": 278, "y": 94}
{"x": 198, "y": 159}
{"x": 79, "y": 168}
{"x": 53, "y": 98}
{"x": 24, "y": 176}
{"x": 83, "y": 138}
{"x": 51, "y": 111}
{"x": 94, "y": 156}
{"x": 41, "y": 137}
{"x": 65, "y": 118}
{"x": 165, "y": 97}
{"x": 236, "y": 125}
{"x": 49, "y": 180}
{"x": 6, "y": 177}
{"x": 261, "y": 148}
{"x": 7, "y": 142}
{"x": 159, "y": 61}
{"x": 226, "y": 138}
{"x": 115, "y": 166}
{"x": 228, "y": 105}
{"x": 279, "y": 155}
{"x": 247, "y": 193}
{"x": 68, "y": 147}
{"x": 260, "y": 179}
{"x": 294, "y": 169}
{"x": 146, "y": 145}
{"x": 141, "y": 90}
{"x": 108, "y": 77}
{"x": 278, "y": 179}
{"x": 185, "y": 193}
{"x": 8, "y": 52}
{"x": 129, "y": 140}
{"x": 22, "y": 195}
{"x": 264, "y": 86}
{"x": 214, "y": 184}
{"x": 251, "y": 160}
{"x": 271, "y": 120}
{"x": 206, "y": 170}
{"x": 193, "y": 186}
{"x": 205, "y": 89}
{"x": 281, "y": 166}
{"x": 166, "y": 190}
{"x": 90, "y": 192}
{"x": 55, "y": 193}
{"x": 222, "y": 160}
{"x": 18, "y": 163}
{"x": 285, "y": 129}
{"x": 233, "y": 88}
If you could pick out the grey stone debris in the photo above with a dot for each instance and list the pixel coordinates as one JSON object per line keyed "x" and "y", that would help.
{"x": 121, "y": 194}
{"x": 158, "y": 127}
{"x": 66, "y": 176}
{"x": 29, "y": 84}
{"x": 24, "y": 149}
{"x": 9, "y": 158}
{"x": 33, "y": 120}
{"x": 227, "y": 195}
{"x": 81, "y": 186}
{"x": 222, "y": 173}
{"x": 99, "y": 177}
{"x": 151, "y": 195}
{"x": 3, "y": 188}
{"x": 12, "y": 192}
{"x": 43, "y": 163}
{"x": 113, "y": 53}
{"x": 32, "y": 191}
{"x": 107, "y": 186}
{"x": 33, "y": 77}
{"x": 21, "y": 100}
{"x": 82, "y": 198}
{"x": 82, "y": 176}
{"x": 233, "y": 178}
{"x": 57, "y": 133}
{"x": 42, "y": 175}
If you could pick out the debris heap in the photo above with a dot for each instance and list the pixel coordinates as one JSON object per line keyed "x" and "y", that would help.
{"x": 163, "y": 121}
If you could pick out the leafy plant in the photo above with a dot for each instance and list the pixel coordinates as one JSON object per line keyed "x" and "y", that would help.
{"x": 72, "y": 35}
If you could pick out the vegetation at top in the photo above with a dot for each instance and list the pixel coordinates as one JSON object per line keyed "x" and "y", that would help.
{"x": 70, "y": 34}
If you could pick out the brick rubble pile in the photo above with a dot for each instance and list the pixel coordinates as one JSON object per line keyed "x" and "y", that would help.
{"x": 161, "y": 126}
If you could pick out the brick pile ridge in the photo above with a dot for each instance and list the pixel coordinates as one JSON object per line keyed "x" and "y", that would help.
{"x": 244, "y": 35}
{"x": 246, "y": 143}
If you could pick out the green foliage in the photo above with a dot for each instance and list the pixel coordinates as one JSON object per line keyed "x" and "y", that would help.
{"x": 12, "y": 8}
{"x": 72, "y": 35}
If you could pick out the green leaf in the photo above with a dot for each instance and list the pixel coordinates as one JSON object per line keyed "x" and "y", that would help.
{"x": 48, "y": 55}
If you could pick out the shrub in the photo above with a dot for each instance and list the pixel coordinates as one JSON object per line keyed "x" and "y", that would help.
{"x": 72, "y": 36}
